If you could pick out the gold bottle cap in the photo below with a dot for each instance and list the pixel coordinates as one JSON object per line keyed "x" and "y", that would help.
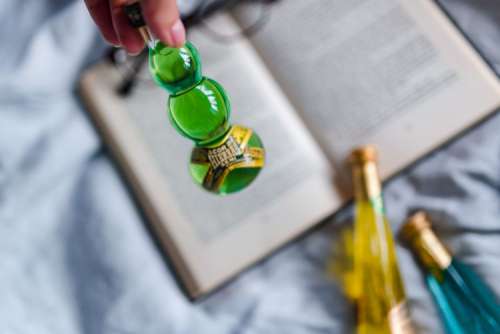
{"x": 363, "y": 154}
{"x": 418, "y": 232}
{"x": 414, "y": 225}
{"x": 365, "y": 177}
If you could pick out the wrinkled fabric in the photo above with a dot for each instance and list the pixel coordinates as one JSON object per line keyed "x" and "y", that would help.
{"x": 75, "y": 256}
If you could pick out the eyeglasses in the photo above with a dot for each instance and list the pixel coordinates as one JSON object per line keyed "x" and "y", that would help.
{"x": 258, "y": 11}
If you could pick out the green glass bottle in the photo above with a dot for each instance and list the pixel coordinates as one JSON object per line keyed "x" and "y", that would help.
{"x": 466, "y": 304}
{"x": 226, "y": 158}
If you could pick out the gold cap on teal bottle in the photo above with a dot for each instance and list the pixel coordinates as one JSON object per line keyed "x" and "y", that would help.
{"x": 430, "y": 250}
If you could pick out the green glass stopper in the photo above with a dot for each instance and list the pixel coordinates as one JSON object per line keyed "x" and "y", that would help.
{"x": 226, "y": 158}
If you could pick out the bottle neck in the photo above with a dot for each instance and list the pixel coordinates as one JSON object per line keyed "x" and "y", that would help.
{"x": 366, "y": 181}
{"x": 147, "y": 37}
{"x": 135, "y": 18}
{"x": 430, "y": 250}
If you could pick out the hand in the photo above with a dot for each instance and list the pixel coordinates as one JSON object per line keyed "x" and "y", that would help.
{"x": 162, "y": 18}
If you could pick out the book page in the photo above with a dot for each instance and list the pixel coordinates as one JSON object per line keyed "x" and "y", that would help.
{"x": 393, "y": 73}
{"x": 216, "y": 236}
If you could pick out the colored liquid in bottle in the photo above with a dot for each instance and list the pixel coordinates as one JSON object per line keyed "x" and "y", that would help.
{"x": 226, "y": 158}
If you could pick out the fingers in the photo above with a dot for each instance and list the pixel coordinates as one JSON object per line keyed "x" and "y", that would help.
{"x": 162, "y": 18}
{"x": 99, "y": 10}
{"x": 128, "y": 36}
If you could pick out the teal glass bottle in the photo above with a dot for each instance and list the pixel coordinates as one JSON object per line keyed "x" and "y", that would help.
{"x": 466, "y": 304}
{"x": 226, "y": 158}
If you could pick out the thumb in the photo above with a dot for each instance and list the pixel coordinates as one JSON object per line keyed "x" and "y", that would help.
{"x": 162, "y": 18}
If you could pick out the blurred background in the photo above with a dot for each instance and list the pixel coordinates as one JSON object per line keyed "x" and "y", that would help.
{"x": 74, "y": 254}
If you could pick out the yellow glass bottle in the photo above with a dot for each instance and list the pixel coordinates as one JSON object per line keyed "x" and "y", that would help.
{"x": 376, "y": 286}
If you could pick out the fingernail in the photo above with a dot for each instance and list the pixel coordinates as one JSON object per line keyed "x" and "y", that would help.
{"x": 134, "y": 53}
{"x": 177, "y": 34}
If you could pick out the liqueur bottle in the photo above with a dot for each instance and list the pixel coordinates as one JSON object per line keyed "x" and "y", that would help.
{"x": 226, "y": 158}
{"x": 466, "y": 304}
{"x": 376, "y": 285}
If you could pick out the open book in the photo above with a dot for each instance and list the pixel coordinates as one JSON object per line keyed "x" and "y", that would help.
{"x": 321, "y": 78}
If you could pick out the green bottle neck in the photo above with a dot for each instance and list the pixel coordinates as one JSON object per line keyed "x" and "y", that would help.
{"x": 182, "y": 89}
{"x": 214, "y": 141}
